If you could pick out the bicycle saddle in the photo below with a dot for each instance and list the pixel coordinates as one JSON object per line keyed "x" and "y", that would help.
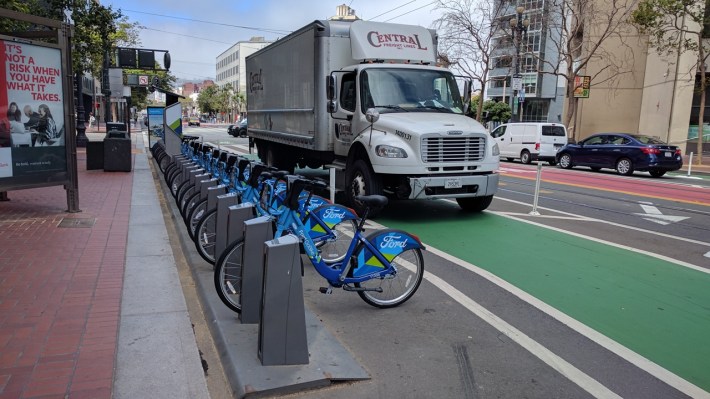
{"x": 372, "y": 201}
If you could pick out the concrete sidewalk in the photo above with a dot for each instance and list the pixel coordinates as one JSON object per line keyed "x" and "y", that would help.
{"x": 91, "y": 304}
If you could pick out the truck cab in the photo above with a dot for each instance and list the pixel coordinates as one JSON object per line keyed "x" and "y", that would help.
{"x": 421, "y": 145}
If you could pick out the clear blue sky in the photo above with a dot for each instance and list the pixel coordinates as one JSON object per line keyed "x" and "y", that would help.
{"x": 194, "y": 45}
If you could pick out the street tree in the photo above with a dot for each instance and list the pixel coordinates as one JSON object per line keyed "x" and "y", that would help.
{"x": 466, "y": 30}
{"x": 675, "y": 27}
{"x": 592, "y": 40}
{"x": 207, "y": 100}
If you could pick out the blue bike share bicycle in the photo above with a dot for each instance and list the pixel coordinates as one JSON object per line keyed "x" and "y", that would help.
{"x": 384, "y": 267}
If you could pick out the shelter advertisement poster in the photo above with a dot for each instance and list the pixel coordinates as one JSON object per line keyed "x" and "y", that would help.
{"x": 32, "y": 125}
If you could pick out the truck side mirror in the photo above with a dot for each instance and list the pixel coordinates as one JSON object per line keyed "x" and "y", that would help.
{"x": 330, "y": 86}
{"x": 332, "y": 106}
{"x": 372, "y": 115}
{"x": 467, "y": 91}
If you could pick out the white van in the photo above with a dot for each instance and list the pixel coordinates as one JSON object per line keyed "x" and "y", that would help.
{"x": 530, "y": 141}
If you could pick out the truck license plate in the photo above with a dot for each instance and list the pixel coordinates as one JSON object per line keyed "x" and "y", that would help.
{"x": 452, "y": 183}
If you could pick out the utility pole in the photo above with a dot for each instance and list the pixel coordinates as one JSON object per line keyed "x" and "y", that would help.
{"x": 519, "y": 30}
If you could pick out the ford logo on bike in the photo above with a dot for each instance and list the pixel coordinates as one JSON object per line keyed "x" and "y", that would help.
{"x": 393, "y": 242}
{"x": 332, "y": 214}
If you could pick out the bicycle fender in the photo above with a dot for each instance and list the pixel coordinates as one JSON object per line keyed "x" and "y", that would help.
{"x": 390, "y": 243}
{"x": 330, "y": 214}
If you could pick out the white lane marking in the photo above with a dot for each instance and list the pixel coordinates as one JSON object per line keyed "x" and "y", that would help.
{"x": 707, "y": 254}
{"x": 594, "y": 387}
{"x": 654, "y": 215}
{"x": 690, "y": 240}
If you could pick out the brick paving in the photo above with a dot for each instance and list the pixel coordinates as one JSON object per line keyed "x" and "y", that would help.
{"x": 60, "y": 287}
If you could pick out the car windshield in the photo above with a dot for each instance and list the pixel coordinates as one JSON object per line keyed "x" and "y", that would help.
{"x": 409, "y": 90}
{"x": 647, "y": 139}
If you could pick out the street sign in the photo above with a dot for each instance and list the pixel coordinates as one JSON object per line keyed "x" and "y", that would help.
{"x": 143, "y": 80}
{"x": 521, "y": 95}
{"x": 517, "y": 83}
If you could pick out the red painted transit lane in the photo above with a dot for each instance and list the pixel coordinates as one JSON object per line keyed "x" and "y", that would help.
{"x": 643, "y": 185}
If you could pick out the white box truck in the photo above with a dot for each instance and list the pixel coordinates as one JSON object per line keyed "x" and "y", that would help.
{"x": 366, "y": 99}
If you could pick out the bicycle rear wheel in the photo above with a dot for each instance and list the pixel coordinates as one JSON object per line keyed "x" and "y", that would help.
{"x": 399, "y": 287}
{"x": 205, "y": 236}
{"x": 228, "y": 276}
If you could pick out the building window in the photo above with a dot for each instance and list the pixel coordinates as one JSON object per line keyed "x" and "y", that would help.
{"x": 535, "y": 110}
{"x": 499, "y": 82}
{"x": 504, "y": 61}
{"x": 532, "y": 45}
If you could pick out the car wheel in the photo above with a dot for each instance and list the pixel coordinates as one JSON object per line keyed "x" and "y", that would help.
{"x": 595, "y": 168}
{"x": 525, "y": 157}
{"x": 565, "y": 161}
{"x": 657, "y": 173}
{"x": 624, "y": 166}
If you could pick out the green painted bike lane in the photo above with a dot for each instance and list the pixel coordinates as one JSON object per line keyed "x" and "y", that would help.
{"x": 656, "y": 308}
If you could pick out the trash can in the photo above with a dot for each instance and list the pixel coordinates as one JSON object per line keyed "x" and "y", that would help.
{"x": 94, "y": 155}
{"x": 117, "y": 152}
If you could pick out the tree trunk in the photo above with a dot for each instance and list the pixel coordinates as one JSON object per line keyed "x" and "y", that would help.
{"x": 479, "y": 108}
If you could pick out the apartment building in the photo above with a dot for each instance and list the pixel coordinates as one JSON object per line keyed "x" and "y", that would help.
{"x": 231, "y": 63}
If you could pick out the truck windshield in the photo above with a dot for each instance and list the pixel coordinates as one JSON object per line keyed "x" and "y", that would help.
{"x": 409, "y": 90}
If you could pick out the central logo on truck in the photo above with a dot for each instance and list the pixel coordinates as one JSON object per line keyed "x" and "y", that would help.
{"x": 394, "y": 40}
{"x": 255, "y": 82}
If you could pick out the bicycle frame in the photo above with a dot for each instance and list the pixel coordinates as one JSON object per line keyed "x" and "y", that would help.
{"x": 370, "y": 262}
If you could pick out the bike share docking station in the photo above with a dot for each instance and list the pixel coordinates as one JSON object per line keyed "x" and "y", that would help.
{"x": 285, "y": 348}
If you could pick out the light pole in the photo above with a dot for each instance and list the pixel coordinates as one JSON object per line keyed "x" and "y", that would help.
{"x": 519, "y": 31}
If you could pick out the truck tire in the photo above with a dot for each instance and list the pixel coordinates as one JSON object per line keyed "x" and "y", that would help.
{"x": 279, "y": 157}
{"x": 474, "y": 204}
{"x": 361, "y": 180}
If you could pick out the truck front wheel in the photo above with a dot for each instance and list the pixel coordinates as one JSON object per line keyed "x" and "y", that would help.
{"x": 474, "y": 204}
{"x": 362, "y": 181}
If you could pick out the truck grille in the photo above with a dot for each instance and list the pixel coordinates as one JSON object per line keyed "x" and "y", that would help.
{"x": 453, "y": 149}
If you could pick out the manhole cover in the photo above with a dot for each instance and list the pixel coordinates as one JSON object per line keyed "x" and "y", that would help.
{"x": 77, "y": 222}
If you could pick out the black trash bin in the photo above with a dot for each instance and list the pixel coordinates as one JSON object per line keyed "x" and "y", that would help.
{"x": 117, "y": 152}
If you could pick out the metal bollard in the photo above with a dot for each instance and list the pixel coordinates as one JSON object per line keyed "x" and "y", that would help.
{"x": 282, "y": 330}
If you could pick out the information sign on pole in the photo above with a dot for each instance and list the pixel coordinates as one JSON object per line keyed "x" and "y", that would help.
{"x": 581, "y": 86}
{"x": 517, "y": 82}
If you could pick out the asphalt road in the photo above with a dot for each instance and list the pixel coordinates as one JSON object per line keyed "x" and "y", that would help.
{"x": 594, "y": 297}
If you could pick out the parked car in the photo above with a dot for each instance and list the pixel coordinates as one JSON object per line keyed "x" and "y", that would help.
{"x": 243, "y": 128}
{"x": 238, "y": 130}
{"x": 193, "y": 121}
{"x": 623, "y": 152}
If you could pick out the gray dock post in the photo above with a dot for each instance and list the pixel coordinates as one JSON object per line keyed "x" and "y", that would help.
{"x": 282, "y": 330}
{"x": 256, "y": 232}
{"x": 236, "y": 216}
{"x": 224, "y": 201}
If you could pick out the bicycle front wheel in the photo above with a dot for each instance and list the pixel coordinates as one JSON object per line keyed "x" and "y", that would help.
{"x": 193, "y": 217}
{"x": 205, "y": 236}
{"x": 228, "y": 276}
{"x": 334, "y": 248}
{"x": 398, "y": 287}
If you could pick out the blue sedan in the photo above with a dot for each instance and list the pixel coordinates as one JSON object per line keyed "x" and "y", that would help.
{"x": 623, "y": 152}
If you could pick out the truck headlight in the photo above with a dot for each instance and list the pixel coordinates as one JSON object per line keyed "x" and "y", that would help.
{"x": 387, "y": 151}
{"x": 496, "y": 150}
